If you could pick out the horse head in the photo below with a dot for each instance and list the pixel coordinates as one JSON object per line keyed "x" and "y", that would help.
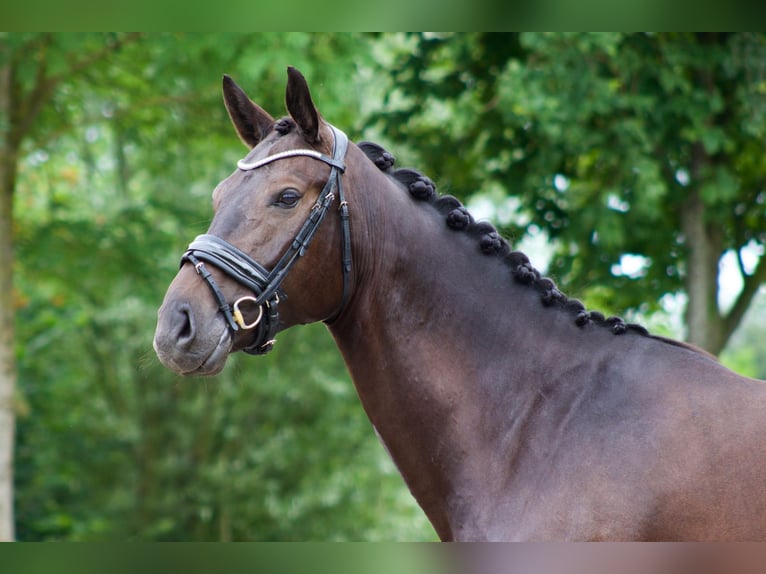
{"x": 252, "y": 274}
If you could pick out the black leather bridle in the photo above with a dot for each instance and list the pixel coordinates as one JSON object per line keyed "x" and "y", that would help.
{"x": 266, "y": 284}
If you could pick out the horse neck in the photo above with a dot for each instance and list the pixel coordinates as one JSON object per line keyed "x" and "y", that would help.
{"x": 427, "y": 309}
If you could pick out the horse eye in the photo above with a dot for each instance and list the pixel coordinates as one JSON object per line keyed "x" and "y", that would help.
{"x": 288, "y": 198}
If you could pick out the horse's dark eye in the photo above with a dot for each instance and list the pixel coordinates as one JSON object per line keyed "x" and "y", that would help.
{"x": 288, "y": 198}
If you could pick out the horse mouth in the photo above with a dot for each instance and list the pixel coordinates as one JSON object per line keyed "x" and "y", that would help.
{"x": 197, "y": 363}
{"x": 216, "y": 360}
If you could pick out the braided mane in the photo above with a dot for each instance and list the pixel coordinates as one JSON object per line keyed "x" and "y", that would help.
{"x": 491, "y": 243}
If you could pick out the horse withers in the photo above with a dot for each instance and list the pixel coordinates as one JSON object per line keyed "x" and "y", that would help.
{"x": 511, "y": 411}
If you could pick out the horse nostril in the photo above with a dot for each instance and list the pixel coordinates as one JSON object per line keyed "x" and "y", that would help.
{"x": 185, "y": 325}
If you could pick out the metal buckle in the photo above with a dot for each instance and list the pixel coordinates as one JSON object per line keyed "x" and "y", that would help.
{"x": 239, "y": 318}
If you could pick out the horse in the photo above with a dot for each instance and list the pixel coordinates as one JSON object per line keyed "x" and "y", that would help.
{"x": 511, "y": 411}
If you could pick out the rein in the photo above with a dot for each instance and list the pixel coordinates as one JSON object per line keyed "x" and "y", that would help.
{"x": 265, "y": 284}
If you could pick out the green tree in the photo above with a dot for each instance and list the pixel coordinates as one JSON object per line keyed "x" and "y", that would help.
{"x": 32, "y": 70}
{"x": 640, "y": 145}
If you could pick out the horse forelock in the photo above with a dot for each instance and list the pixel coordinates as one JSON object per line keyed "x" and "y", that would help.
{"x": 490, "y": 242}
{"x": 284, "y": 126}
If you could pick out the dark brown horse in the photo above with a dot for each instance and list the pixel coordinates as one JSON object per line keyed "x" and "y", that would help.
{"x": 511, "y": 411}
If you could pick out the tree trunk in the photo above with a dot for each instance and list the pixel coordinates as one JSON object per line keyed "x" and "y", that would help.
{"x": 703, "y": 319}
{"x": 704, "y": 244}
{"x": 8, "y": 154}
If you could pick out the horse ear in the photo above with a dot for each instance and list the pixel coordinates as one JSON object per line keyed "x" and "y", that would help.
{"x": 250, "y": 120}
{"x": 300, "y": 105}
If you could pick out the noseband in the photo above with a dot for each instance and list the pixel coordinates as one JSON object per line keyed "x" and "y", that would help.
{"x": 265, "y": 284}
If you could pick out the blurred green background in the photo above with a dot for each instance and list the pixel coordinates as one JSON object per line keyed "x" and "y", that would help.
{"x": 121, "y": 139}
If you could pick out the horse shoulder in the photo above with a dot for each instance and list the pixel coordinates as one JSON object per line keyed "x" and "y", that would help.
{"x": 649, "y": 448}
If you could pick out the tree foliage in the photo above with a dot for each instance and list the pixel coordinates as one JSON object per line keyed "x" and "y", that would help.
{"x": 641, "y": 145}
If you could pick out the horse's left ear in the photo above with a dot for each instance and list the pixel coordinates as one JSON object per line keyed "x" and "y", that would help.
{"x": 300, "y": 105}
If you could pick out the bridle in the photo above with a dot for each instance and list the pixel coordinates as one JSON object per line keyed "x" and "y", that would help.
{"x": 265, "y": 284}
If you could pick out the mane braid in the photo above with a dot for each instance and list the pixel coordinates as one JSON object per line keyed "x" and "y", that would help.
{"x": 491, "y": 243}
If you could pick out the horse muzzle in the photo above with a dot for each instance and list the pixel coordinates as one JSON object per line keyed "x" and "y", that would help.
{"x": 184, "y": 346}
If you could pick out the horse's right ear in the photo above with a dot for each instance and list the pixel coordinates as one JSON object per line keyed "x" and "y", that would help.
{"x": 251, "y": 121}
